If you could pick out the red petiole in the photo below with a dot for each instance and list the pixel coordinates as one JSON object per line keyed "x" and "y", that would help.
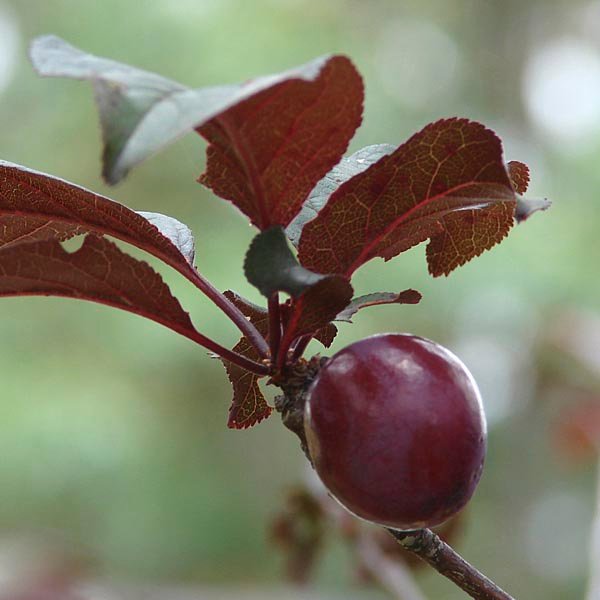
{"x": 300, "y": 346}
{"x": 225, "y": 353}
{"x": 233, "y": 312}
{"x": 274, "y": 324}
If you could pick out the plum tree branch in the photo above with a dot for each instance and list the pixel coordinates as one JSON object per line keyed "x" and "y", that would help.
{"x": 428, "y": 546}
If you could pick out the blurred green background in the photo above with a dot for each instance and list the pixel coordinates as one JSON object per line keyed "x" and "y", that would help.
{"x": 112, "y": 429}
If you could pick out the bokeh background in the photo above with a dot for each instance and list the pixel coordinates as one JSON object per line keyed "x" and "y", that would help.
{"x": 115, "y": 460}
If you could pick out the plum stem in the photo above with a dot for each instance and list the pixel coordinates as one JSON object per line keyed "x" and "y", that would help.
{"x": 428, "y": 546}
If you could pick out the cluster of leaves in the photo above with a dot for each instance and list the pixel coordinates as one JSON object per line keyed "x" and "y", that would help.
{"x": 276, "y": 149}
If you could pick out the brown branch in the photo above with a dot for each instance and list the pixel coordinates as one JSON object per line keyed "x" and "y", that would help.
{"x": 429, "y": 547}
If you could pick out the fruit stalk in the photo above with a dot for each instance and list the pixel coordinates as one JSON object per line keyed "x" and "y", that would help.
{"x": 428, "y": 546}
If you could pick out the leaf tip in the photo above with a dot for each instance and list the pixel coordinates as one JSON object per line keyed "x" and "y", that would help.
{"x": 111, "y": 175}
{"x": 528, "y": 206}
{"x": 519, "y": 175}
{"x": 326, "y": 335}
{"x": 247, "y": 422}
{"x": 410, "y": 296}
{"x": 41, "y": 51}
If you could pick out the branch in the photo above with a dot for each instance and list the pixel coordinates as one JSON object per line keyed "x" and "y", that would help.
{"x": 429, "y": 547}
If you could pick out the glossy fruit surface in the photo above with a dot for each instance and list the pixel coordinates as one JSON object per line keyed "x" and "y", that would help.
{"x": 396, "y": 430}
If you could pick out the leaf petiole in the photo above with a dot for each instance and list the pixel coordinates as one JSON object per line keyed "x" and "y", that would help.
{"x": 301, "y": 346}
{"x": 232, "y": 311}
{"x": 274, "y": 324}
{"x": 224, "y": 353}
{"x": 284, "y": 348}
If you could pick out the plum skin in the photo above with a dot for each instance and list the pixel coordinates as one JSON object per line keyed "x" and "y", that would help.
{"x": 396, "y": 431}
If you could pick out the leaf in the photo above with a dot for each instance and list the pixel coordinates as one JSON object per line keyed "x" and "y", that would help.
{"x": 36, "y": 207}
{"x": 465, "y": 235}
{"x": 271, "y": 267}
{"x": 342, "y": 172}
{"x": 255, "y": 313}
{"x": 313, "y": 310}
{"x": 268, "y": 152}
{"x": 527, "y": 206}
{"x": 15, "y": 230}
{"x": 405, "y": 297}
{"x": 259, "y": 317}
{"x": 326, "y": 334}
{"x": 447, "y": 183}
{"x": 519, "y": 176}
{"x": 179, "y": 233}
{"x": 316, "y": 299}
{"x": 98, "y": 272}
{"x": 249, "y": 406}
{"x": 141, "y": 113}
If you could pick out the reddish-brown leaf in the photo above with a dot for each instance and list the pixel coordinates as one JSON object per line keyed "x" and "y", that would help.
{"x": 268, "y": 152}
{"x": 16, "y": 230}
{"x": 377, "y": 298}
{"x": 347, "y": 168}
{"x": 249, "y": 406}
{"x": 326, "y": 334}
{"x": 313, "y": 310}
{"x": 519, "y": 176}
{"x": 465, "y": 234}
{"x": 448, "y": 183}
{"x": 98, "y": 272}
{"x": 36, "y": 207}
{"x": 142, "y": 112}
